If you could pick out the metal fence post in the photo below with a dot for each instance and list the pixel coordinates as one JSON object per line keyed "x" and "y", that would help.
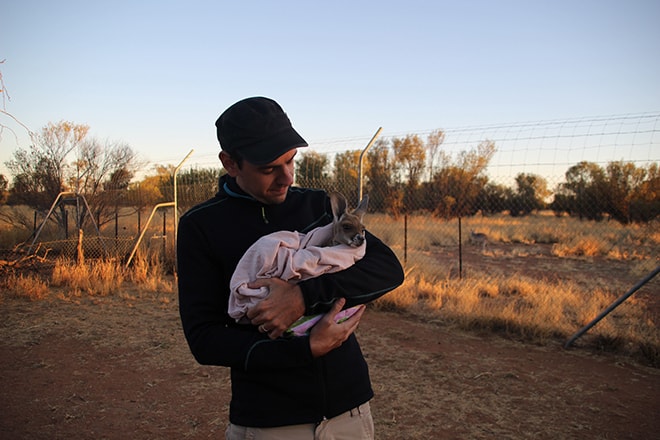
{"x": 612, "y": 306}
{"x": 176, "y": 203}
{"x": 373, "y": 139}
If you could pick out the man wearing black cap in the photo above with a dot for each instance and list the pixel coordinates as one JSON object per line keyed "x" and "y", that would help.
{"x": 308, "y": 387}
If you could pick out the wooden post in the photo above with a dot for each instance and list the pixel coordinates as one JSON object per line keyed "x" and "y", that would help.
{"x": 80, "y": 255}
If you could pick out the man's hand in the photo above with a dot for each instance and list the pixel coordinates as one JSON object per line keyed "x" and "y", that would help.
{"x": 281, "y": 308}
{"x": 327, "y": 335}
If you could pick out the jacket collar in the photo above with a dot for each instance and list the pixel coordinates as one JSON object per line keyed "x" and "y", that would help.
{"x": 229, "y": 186}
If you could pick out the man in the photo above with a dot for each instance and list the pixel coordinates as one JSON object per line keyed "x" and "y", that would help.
{"x": 308, "y": 387}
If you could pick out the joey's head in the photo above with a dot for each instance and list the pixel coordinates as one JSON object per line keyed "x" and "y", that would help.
{"x": 347, "y": 226}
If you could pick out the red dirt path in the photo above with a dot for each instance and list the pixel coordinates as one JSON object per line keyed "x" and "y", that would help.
{"x": 117, "y": 367}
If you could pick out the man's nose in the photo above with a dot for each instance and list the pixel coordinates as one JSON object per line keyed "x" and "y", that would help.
{"x": 286, "y": 177}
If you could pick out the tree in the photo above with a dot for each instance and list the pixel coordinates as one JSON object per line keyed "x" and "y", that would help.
{"x": 311, "y": 170}
{"x": 102, "y": 174}
{"x": 346, "y": 175}
{"x": 622, "y": 184}
{"x": 409, "y": 153}
{"x": 196, "y": 185}
{"x": 492, "y": 198}
{"x": 530, "y": 194}
{"x": 63, "y": 158}
{"x": 457, "y": 185}
{"x": 434, "y": 141}
{"x": 383, "y": 196}
{"x": 585, "y": 185}
{"x": 4, "y": 183}
{"x": 645, "y": 206}
{"x": 40, "y": 172}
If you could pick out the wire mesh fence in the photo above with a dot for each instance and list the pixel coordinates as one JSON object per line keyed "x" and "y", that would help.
{"x": 568, "y": 188}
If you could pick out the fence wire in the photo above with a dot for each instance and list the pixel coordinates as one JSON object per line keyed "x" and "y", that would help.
{"x": 585, "y": 187}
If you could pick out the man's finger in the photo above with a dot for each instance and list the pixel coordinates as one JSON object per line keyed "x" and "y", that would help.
{"x": 259, "y": 283}
{"x": 336, "y": 308}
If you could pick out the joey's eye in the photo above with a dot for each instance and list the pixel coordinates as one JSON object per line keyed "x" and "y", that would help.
{"x": 346, "y": 227}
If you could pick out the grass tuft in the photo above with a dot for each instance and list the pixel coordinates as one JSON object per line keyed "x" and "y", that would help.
{"x": 523, "y": 308}
{"x": 27, "y": 286}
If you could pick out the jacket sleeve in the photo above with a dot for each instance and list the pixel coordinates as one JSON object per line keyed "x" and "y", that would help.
{"x": 377, "y": 273}
{"x": 213, "y": 337}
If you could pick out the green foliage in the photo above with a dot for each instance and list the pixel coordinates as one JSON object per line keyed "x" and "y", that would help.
{"x": 383, "y": 195}
{"x": 410, "y": 154}
{"x": 346, "y": 174}
{"x": 623, "y": 191}
{"x": 401, "y": 175}
{"x": 197, "y": 184}
{"x": 530, "y": 194}
{"x": 311, "y": 170}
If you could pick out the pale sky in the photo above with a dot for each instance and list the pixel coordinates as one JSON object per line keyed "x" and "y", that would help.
{"x": 157, "y": 74}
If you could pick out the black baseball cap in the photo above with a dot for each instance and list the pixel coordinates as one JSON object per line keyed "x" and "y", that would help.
{"x": 258, "y": 130}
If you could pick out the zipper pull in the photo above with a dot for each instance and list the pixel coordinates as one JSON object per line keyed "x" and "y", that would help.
{"x": 263, "y": 214}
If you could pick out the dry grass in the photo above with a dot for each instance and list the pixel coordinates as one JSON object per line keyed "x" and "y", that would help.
{"x": 523, "y": 308}
{"x": 101, "y": 277}
{"x": 570, "y": 285}
{"x": 27, "y": 286}
{"x": 69, "y": 280}
{"x": 148, "y": 271}
{"x": 539, "y": 310}
{"x": 568, "y": 236}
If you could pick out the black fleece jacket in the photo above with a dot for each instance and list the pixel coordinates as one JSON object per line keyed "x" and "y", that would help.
{"x": 274, "y": 382}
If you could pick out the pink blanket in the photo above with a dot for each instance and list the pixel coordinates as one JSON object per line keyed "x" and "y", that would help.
{"x": 291, "y": 256}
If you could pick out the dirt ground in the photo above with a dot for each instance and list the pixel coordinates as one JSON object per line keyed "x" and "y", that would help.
{"x": 118, "y": 367}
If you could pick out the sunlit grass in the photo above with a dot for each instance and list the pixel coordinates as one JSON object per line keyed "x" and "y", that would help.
{"x": 27, "y": 286}
{"x": 526, "y": 309}
{"x": 93, "y": 278}
{"x": 102, "y": 277}
{"x": 569, "y": 236}
{"x": 148, "y": 271}
{"x": 540, "y": 311}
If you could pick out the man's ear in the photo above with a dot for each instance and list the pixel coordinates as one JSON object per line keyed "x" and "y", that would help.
{"x": 228, "y": 163}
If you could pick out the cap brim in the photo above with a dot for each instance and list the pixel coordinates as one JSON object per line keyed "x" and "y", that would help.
{"x": 267, "y": 150}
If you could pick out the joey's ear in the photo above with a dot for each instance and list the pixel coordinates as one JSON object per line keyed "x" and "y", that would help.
{"x": 362, "y": 207}
{"x": 338, "y": 204}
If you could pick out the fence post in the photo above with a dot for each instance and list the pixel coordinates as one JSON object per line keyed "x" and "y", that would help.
{"x": 405, "y": 239}
{"x": 165, "y": 235}
{"x": 612, "y": 306}
{"x": 80, "y": 253}
{"x": 360, "y": 162}
{"x": 460, "y": 249}
{"x": 176, "y": 203}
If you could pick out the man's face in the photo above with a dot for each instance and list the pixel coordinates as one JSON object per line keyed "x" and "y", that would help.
{"x": 267, "y": 183}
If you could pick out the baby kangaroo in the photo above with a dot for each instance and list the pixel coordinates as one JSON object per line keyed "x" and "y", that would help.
{"x": 293, "y": 256}
{"x": 479, "y": 239}
{"x": 347, "y": 227}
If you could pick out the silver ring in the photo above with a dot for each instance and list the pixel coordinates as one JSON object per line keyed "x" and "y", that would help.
{"x": 262, "y": 329}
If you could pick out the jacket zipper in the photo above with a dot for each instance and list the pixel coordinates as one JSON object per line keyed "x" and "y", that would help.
{"x": 263, "y": 214}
